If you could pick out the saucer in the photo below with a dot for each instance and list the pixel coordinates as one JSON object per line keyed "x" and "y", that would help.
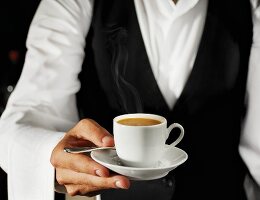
{"x": 172, "y": 158}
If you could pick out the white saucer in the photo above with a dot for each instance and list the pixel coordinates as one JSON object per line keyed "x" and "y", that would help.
{"x": 172, "y": 158}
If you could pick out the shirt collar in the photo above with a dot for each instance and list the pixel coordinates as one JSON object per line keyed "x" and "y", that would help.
{"x": 171, "y": 10}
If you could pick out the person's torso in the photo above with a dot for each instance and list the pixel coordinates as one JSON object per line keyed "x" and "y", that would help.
{"x": 117, "y": 78}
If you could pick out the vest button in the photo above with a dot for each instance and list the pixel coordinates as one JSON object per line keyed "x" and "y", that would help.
{"x": 168, "y": 182}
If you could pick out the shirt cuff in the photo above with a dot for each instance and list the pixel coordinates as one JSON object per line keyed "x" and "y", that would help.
{"x": 30, "y": 173}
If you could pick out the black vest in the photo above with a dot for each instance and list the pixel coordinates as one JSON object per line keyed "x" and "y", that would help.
{"x": 117, "y": 78}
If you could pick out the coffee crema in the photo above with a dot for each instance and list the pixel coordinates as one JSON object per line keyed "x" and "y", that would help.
{"x": 139, "y": 121}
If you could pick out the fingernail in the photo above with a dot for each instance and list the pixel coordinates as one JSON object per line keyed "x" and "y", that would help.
{"x": 100, "y": 173}
{"x": 120, "y": 185}
{"x": 106, "y": 139}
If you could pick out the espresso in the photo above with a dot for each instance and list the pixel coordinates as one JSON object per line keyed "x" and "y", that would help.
{"x": 139, "y": 122}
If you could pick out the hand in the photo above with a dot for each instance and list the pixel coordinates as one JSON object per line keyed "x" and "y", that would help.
{"x": 78, "y": 172}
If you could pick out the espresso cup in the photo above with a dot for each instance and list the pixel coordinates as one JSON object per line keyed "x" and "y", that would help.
{"x": 140, "y": 138}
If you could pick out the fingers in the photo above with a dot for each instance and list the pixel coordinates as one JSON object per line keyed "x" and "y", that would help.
{"x": 86, "y": 190}
{"x": 78, "y": 163}
{"x": 88, "y": 129}
{"x": 69, "y": 177}
{"x": 89, "y": 185}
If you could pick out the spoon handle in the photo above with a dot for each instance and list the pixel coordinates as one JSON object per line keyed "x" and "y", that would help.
{"x": 84, "y": 149}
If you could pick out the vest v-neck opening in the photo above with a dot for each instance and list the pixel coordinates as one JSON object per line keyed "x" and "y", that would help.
{"x": 186, "y": 86}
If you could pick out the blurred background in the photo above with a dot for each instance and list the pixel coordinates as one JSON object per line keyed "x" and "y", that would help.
{"x": 15, "y": 18}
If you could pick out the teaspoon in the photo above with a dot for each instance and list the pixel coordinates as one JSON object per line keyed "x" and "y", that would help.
{"x": 84, "y": 149}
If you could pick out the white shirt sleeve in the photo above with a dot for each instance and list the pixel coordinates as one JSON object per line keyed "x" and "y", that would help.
{"x": 43, "y": 104}
{"x": 250, "y": 138}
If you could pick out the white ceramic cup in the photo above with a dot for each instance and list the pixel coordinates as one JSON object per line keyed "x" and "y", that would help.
{"x": 143, "y": 146}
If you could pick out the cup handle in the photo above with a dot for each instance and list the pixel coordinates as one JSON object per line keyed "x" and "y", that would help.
{"x": 169, "y": 129}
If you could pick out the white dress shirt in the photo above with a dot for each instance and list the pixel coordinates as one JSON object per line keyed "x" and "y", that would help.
{"x": 43, "y": 105}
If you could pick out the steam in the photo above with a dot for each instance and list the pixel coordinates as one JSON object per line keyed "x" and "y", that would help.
{"x": 128, "y": 95}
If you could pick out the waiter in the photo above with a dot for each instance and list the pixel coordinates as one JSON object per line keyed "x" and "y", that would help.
{"x": 189, "y": 61}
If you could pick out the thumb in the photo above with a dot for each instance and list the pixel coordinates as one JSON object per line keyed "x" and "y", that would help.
{"x": 88, "y": 129}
